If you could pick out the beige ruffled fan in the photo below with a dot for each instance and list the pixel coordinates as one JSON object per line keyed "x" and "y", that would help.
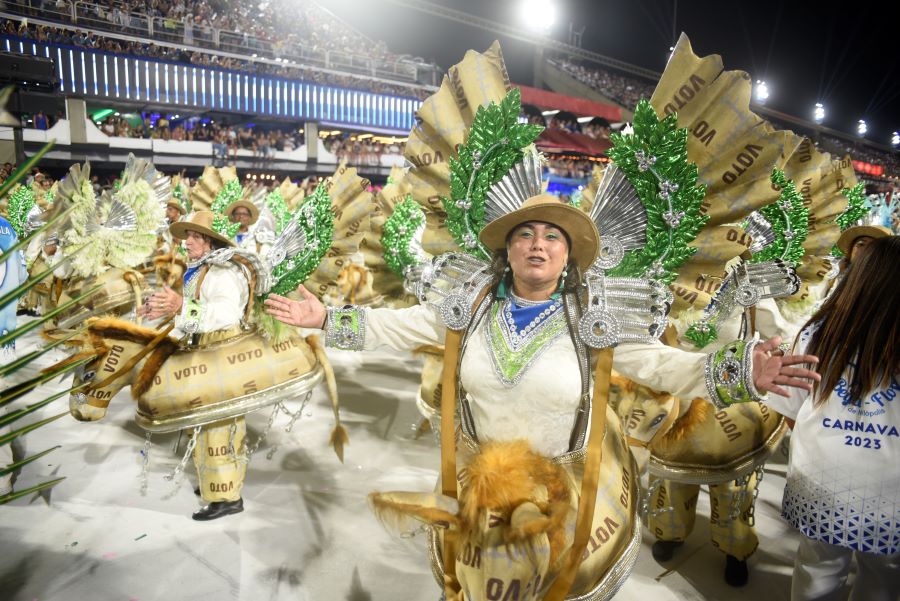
{"x": 213, "y": 180}
{"x": 338, "y": 273}
{"x": 385, "y": 281}
{"x": 292, "y": 194}
{"x": 442, "y": 123}
{"x": 735, "y": 152}
{"x": 820, "y": 179}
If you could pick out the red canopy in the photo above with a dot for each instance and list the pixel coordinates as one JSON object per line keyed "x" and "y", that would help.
{"x": 558, "y": 140}
{"x": 580, "y": 106}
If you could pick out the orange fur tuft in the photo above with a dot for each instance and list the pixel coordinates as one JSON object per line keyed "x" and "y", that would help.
{"x": 119, "y": 329}
{"x": 502, "y": 476}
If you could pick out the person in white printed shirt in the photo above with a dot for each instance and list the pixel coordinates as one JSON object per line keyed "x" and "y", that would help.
{"x": 843, "y": 481}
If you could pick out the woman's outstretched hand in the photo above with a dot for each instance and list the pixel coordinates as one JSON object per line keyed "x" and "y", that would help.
{"x": 307, "y": 313}
{"x": 772, "y": 370}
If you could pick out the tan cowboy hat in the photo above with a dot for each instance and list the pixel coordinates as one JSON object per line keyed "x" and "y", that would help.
{"x": 200, "y": 222}
{"x": 850, "y": 235}
{"x": 254, "y": 212}
{"x": 583, "y": 236}
{"x": 174, "y": 203}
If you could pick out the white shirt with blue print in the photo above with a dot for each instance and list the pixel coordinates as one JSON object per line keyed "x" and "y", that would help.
{"x": 843, "y": 481}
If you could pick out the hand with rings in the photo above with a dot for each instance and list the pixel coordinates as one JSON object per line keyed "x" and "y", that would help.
{"x": 162, "y": 302}
{"x": 308, "y": 313}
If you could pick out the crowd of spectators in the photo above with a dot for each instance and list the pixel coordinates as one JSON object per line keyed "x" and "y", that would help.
{"x": 362, "y": 150}
{"x": 87, "y": 39}
{"x": 262, "y": 142}
{"x": 598, "y": 128}
{"x": 624, "y": 90}
{"x": 36, "y": 178}
{"x": 570, "y": 167}
{"x": 278, "y": 26}
{"x": 226, "y": 139}
{"x": 861, "y": 152}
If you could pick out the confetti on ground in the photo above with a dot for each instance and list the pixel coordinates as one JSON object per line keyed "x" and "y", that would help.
{"x": 110, "y": 555}
{"x": 140, "y": 537}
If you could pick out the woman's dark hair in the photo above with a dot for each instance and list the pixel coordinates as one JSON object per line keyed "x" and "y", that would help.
{"x": 216, "y": 244}
{"x": 859, "y": 324}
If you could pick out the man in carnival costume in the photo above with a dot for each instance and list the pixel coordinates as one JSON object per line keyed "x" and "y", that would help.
{"x": 174, "y": 213}
{"x": 211, "y": 310}
{"x": 250, "y": 236}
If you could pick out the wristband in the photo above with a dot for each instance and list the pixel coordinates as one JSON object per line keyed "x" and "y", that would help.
{"x": 345, "y": 328}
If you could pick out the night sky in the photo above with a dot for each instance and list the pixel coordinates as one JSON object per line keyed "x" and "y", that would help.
{"x": 806, "y": 52}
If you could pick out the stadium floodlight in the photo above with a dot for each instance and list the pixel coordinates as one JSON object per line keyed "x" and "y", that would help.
{"x": 895, "y": 139}
{"x": 819, "y": 113}
{"x": 761, "y": 92}
{"x": 538, "y": 15}
{"x": 861, "y": 128}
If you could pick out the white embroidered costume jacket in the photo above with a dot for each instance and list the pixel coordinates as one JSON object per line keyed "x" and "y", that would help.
{"x": 541, "y": 404}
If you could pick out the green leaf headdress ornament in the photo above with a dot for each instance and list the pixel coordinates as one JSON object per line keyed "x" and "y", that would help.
{"x": 496, "y": 142}
{"x": 857, "y": 210}
{"x": 231, "y": 191}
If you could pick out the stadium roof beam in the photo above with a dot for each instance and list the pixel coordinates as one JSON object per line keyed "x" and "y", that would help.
{"x": 525, "y": 36}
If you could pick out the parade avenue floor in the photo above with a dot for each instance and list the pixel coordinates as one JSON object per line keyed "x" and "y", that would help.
{"x": 306, "y": 532}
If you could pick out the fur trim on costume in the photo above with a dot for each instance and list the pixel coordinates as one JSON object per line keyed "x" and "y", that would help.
{"x": 699, "y": 412}
{"x": 503, "y": 476}
{"x": 339, "y": 436}
{"x": 152, "y": 364}
{"x": 396, "y": 515}
{"x": 119, "y": 329}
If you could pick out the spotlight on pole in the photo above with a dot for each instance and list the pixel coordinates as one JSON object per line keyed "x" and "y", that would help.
{"x": 538, "y": 15}
{"x": 895, "y": 139}
{"x": 819, "y": 113}
{"x": 861, "y": 128}
{"x": 761, "y": 92}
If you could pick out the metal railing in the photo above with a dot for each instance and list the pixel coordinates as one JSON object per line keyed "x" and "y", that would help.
{"x": 98, "y": 18}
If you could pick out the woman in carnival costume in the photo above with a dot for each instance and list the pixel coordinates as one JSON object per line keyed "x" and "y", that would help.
{"x": 843, "y": 480}
{"x": 252, "y": 234}
{"x": 214, "y": 304}
{"x": 525, "y": 310}
{"x": 520, "y": 353}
